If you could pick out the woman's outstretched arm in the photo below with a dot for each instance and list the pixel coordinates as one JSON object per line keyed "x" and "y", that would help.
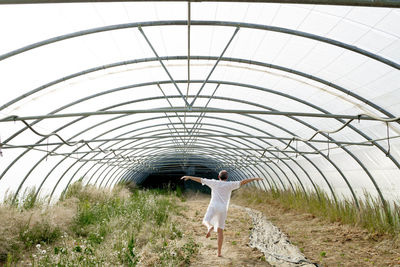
{"x": 196, "y": 179}
{"x": 243, "y": 182}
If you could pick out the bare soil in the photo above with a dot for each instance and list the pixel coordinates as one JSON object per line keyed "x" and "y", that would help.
{"x": 331, "y": 244}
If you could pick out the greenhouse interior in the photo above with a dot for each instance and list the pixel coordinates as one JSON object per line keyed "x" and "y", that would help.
{"x": 304, "y": 94}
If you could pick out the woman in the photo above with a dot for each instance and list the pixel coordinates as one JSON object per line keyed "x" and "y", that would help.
{"x": 220, "y": 196}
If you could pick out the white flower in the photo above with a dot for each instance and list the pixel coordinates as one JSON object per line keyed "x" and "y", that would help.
{"x": 38, "y": 246}
{"x": 43, "y": 251}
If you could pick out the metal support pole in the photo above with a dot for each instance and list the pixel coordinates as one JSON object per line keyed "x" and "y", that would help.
{"x": 215, "y": 65}
{"x": 164, "y": 67}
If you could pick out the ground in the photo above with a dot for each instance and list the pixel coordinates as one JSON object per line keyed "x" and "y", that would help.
{"x": 325, "y": 243}
{"x": 332, "y": 243}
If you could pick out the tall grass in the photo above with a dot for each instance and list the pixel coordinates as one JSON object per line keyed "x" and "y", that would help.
{"x": 371, "y": 213}
{"x": 92, "y": 227}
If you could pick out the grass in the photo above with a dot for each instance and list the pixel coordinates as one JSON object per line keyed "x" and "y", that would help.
{"x": 92, "y": 227}
{"x": 370, "y": 215}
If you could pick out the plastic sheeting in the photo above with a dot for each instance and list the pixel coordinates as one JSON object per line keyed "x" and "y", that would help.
{"x": 310, "y": 59}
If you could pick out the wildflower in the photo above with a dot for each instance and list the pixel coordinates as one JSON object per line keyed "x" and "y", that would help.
{"x": 38, "y": 246}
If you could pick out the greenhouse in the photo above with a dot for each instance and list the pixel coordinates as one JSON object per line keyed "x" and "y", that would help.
{"x": 305, "y": 94}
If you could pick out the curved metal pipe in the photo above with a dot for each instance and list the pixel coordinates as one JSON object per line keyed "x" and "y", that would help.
{"x": 204, "y": 23}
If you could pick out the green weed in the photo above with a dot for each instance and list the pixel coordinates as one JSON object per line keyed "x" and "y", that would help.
{"x": 39, "y": 233}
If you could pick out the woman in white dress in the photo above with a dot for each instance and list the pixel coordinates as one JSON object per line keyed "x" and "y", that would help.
{"x": 220, "y": 196}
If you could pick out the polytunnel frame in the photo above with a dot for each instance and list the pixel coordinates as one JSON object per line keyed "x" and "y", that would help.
{"x": 280, "y": 94}
{"x": 77, "y": 161}
{"x": 221, "y": 164}
{"x": 242, "y": 138}
{"x": 114, "y": 144}
{"x": 250, "y": 136}
{"x": 338, "y": 44}
{"x": 208, "y": 148}
{"x": 249, "y": 103}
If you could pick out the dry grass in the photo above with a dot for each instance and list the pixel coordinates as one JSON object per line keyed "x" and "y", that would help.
{"x": 91, "y": 227}
{"x": 22, "y": 227}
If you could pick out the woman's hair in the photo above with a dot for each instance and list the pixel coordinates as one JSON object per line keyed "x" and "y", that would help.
{"x": 223, "y": 175}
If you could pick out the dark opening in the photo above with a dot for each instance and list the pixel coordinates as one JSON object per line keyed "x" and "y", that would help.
{"x": 170, "y": 177}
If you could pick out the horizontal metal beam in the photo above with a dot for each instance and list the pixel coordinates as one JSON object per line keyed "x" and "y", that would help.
{"x": 6, "y": 146}
{"x": 195, "y": 110}
{"x": 214, "y": 147}
{"x": 177, "y": 157}
{"x": 370, "y": 3}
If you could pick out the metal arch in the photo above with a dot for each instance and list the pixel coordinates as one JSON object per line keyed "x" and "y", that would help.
{"x": 215, "y": 125}
{"x": 250, "y": 62}
{"x": 119, "y": 170}
{"x": 111, "y": 168}
{"x": 241, "y": 138}
{"x": 369, "y": 3}
{"x": 109, "y": 131}
{"x": 230, "y": 83}
{"x": 132, "y": 176}
{"x": 70, "y": 180}
{"x": 306, "y": 103}
{"x": 203, "y": 23}
{"x": 204, "y": 161}
{"x": 71, "y": 166}
{"x": 393, "y": 160}
{"x": 117, "y": 173}
{"x": 328, "y": 184}
{"x": 232, "y": 174}
{"x": 236, "y": 60}
{"x": 362, "y": 166}
{"x": 261, "y": 64}
{"x": 35, "y": 166}
{"x": 177, "y": 123}
{"x": 204, "y": 149}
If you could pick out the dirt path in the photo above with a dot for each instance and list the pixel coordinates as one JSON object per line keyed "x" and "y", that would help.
{"x": 235, "y": 249}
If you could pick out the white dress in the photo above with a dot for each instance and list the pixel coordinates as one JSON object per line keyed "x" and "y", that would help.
{"x": 219, "y": 203}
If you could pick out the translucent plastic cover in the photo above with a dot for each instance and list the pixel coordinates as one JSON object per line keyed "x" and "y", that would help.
{"x": 303, "y": 95}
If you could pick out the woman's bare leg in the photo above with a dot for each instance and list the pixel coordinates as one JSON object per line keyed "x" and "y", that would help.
{"x": 209, "y": 229}
{"x": 220, "y": 240}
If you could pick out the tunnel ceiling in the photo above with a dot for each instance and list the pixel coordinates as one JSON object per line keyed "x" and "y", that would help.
{"x": 305, "y": 96}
